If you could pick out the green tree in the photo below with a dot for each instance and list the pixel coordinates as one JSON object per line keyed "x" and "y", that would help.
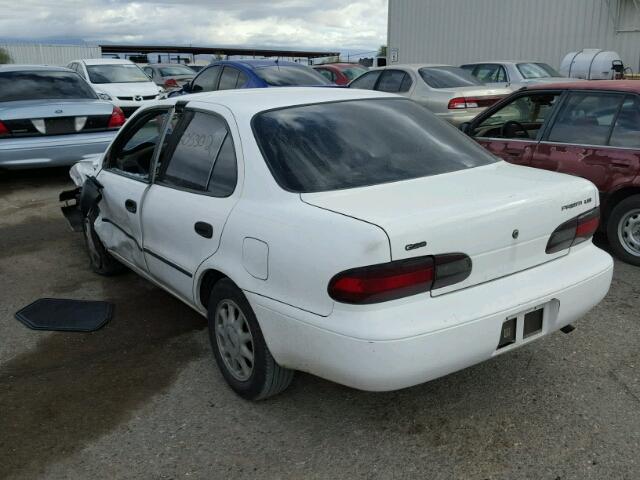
{"x": 382, "y": 51}
{"x": 4, "y": 56}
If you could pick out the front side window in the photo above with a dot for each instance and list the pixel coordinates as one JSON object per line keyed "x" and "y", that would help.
{"x": 366, "y": 81}
{"x": 536, "y": 70}
{"x": 521, "y": 118}
{"x": 328, "y": 146}
{"x": 585, "y": 119}
{"x": 43, "y": 85}
{"x": 626, "y": 132}
{"x": 116, "y": 73}
{"x": 133, "y": 150}
{"x": 201, "y": 156}
{"x": 394, "y": 81}
{"x": 207, "y": 80}
{"x": 289, "y": 75}
{"x": 448, "y": 77}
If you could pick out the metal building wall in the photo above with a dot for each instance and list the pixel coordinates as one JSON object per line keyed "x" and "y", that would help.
{"x": 38, "y": 54}
{"x": 458, "y": 31}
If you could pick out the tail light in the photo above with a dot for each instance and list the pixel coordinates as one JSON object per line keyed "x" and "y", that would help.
{"x": 459, "y": 103}
{"x": 574, "y": 231}
{"x": 3, "y": 130}
{"x": 171, "y": 83}
{"x": 117, "y": 118}
{"x": 402, "y": 278}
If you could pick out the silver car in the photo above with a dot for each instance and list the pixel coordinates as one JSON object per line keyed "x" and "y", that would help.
{"x": 514, "y": 75}
{"x": 169, "y": 75}
{"x": 49, "y": 116}
{"x": 450, "y": 92}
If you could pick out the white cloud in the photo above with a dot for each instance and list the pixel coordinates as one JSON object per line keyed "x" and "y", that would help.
{"x": 325, "y": 24}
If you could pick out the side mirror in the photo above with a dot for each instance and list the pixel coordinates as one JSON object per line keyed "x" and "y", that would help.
{"x": 465, "y": 128}
{"x": 187, "y": 88}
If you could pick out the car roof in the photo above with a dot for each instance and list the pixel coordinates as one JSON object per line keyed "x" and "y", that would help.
{"x": 339, "y": 65}
{"x": 632, "y": 86}
{"x": 410, "y": 66}
{"x": 168, "y": 65}
{"x": 253, "y": 100}
{"x": 23, "y": 68}
{"x": 105, "y": 61}
{"x": 503, "y": 62}
{"x": 256, "y": 63}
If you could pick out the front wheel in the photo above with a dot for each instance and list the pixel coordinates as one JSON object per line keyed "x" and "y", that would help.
{"x": 623, "y": 230}
{"x": 239, "y": 347}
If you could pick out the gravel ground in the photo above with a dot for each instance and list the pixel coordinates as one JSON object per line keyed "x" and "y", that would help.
{"x": 142, "y": 398}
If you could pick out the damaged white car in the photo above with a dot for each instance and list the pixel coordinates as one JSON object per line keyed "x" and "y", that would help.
{"x": 315, "y": 239}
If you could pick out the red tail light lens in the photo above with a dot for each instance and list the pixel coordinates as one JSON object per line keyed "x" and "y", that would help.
{"x": 171, "y": 83}
{"x": 402, "y": 278}
{"x": 117, "y": 118}
{"x": 3, "y": 130}
{"x": 472, "y": 102}
{"x": 457, "y": 103}
{"x": 574, "y": 231}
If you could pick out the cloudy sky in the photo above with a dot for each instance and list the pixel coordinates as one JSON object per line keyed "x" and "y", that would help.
{"x": 326, "y": 24}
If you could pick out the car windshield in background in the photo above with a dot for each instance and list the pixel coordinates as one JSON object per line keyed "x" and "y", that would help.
{"x": 448, "y": 77}
{"x": 332, "y": 146}
{"x": 116, "y": 74}
{"x": 177, "y": 70}
{"x": 288, "y": 75}
{"x": 43, "y": 85}
{"x": 353, "y": 72}
{"x": 536, "y": 70}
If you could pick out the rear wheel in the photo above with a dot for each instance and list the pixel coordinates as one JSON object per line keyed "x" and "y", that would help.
{"x": 239, "y": 347}
{"x": 100, "y": 260}
{"x": 623, "y": 230}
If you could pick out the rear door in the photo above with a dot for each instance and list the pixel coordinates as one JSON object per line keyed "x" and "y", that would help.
{"x": 512, "y": 131}
{"x": 126, "y": 178}
{"x": 596, "y": 135}
{"x": 193, "y": 193}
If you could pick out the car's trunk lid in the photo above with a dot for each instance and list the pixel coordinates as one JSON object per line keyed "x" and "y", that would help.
{"x": 500, "y": 215}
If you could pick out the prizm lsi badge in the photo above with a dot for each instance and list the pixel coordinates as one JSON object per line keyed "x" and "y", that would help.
{"x": 413, "y": 246}
{"x": 576, "y": 204}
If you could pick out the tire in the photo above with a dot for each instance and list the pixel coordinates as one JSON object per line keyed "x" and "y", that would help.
{"x": 235, "y": 336}
{"x": 623, "y": 230}
{"x": 100, "y": 260}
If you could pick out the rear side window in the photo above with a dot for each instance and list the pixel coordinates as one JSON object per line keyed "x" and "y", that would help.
{"x": 366, "y": 81}
{"x": 328, "y": 146}
{"x": 490, "y": 73}
{"x": 394, "y": 81}
{"x": 585, "y": 119}
{"x": 626, "y": 132}
{"x": 228, "y": 79}
{"x": 201, "y": 156}
{"x": 448, "y": 77}
{"x": 43, "y": 85}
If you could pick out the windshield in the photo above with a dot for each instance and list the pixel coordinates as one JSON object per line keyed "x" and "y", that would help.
{"x": 42, "y": 85}
{"x": 332, "y": 146}
{"x": 116, "y": 74}
{"x": 290, "y": 75}
{"x": 353, "y": 72}
{"x": 176, "y": 70}
{"x": 537, "y": 70}
{"x": 448, "y": 77}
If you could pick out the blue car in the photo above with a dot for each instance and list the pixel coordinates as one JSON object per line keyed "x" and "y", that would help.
{"x": 231, "y": 74}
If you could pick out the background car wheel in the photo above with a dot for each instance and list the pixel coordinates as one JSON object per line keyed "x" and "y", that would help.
{"x": 99, "y": 259}
{"x": 623, "y": 230}
{"x": 239, "y": 347}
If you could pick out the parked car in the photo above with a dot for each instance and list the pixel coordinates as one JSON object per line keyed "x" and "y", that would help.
{"x": 49, "y": 116}
{"x": 169, "y": 75}
{"x": 119, "y": 81}
{"x": 514, "y": 75}
{"x": 232, "y": 74}
{"x": 313, "y": 240}
{"x": 589, "y": 129}
{"x": 451, "y": 93}
{"x": 340, "y": 73}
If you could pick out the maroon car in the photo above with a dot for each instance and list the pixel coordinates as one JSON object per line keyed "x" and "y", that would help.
{"x": 341, "y": 73}
{"x": 590, "y": 129}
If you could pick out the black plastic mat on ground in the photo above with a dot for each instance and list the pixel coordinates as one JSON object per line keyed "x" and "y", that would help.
{"x": 65, "y": 315}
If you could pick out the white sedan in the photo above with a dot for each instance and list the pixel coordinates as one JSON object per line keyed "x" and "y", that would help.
{"x": 346, "y": 233}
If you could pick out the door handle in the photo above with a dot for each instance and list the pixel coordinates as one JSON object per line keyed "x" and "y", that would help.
{"x": 203, "y": 229}
{"x": 130, "y": 205}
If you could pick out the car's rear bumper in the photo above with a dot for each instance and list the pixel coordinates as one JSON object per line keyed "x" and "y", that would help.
{"x": 52, "y": 151}
{"x": 405, "y": 343}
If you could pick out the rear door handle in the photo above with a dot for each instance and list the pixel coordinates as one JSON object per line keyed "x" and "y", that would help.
{"x": 203, "y": 229}
{"x": 130, "y": 205}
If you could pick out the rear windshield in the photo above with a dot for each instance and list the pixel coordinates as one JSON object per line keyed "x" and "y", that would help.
{"x": 332, "y": 146}
{"x": 289, "y": 75}
{"x": 116, "y": 74}
{"x": 536, "y": 70}
{"x": 43, "y": 85}
{"x": 176, "y": 70}
{"x": 448, "y": 77}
